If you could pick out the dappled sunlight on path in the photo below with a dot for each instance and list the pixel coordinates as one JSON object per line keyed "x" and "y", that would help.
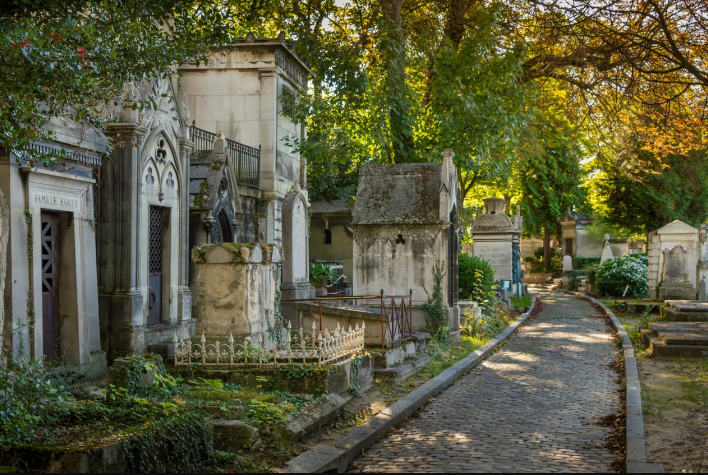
{"x": 531, "y": 406}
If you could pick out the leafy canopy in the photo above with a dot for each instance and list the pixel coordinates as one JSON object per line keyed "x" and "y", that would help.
{"x": 80, "y": 59}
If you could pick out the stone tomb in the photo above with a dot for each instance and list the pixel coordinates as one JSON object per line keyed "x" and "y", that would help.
{"x": 674, "y": 253}
{"x": 236, "y": 289}
{"x": 684, "y": 331}
{"x": 52, "y": 293}
{"x": 496, "y": 239}
{"x": 406, "y": 221}
{"x": 675, "y": 278}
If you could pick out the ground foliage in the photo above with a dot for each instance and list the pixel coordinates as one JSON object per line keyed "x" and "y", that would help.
{"x": 614, "y": 275}
{"x": 436, "y": 315}
{"x": 161, "y": 424}
{"x": 476, "y": 280}
{"x": 488, "y": 323}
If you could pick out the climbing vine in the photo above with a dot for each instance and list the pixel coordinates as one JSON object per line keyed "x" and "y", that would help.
{"x": 436, "y": 317}
{"x": 30, "y": 274}
{"x": 356, "y": 366}
{"x": 275, "y": 329}
{"x": 183, "y": 442}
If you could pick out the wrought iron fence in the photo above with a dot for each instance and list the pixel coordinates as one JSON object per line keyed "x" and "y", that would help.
{"x": 396, "y": 313}
{"x": 246, "y": 160}
{"x": 301, "y": 346}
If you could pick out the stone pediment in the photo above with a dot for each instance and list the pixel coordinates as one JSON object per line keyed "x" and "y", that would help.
{"x": 398, "y": 194}
{"x": 161, "y": 110}
{"x": 676, "y": 227}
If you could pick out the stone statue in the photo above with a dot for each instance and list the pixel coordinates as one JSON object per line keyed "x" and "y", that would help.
{"x": 515, "y": 263}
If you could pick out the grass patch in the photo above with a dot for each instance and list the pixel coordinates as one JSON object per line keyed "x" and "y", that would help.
{"x": 521, "y": 302}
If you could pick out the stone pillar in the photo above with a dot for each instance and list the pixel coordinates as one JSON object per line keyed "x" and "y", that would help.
{"x": 120, "y": 300}
{"x": 184, "y": 308}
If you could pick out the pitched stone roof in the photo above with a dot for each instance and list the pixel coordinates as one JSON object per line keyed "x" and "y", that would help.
{"x": 398, "y": 194}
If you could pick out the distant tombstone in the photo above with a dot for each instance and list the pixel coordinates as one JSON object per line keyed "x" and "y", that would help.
{"x": 675, "y": 265}
{"x": 567, "y": 263}
{"x": 675, "y": 280}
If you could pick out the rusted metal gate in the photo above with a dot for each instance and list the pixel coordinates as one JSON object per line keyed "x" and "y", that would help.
{"x": 156, "y": 231}
{"x": 396, "y": 313}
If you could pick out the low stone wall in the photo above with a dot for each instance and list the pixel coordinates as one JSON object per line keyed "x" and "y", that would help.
{"x": 537, "y": 279}
{"x": 295, "y": 378}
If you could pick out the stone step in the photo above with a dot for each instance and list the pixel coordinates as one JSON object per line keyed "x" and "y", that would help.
{"x": 660, "y": 349}
{"x": 678, "y": 315}
{"x": 401, "y": 372}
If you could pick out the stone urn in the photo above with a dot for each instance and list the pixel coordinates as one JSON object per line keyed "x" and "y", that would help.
{"x": 320, "y": 286}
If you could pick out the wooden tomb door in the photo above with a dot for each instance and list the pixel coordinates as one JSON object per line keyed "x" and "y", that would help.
{"x": 50, "y": 285}
{"x": 156, "y": 233}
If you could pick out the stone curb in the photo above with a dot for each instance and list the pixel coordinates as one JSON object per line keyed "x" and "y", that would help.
{"x": 325, "y": 458}
{"x": 636, "y": 443}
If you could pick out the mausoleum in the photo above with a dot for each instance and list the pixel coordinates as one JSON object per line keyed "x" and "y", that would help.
{"x": 51, "y": 290}
{"x": 405, "y": 222}
{"x": 496, "y": 238}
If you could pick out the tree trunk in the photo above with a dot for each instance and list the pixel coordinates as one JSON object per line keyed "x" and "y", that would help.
{"x": 4, "y": 238}
{"x": 397, "y": 96}
{"x": 507, "y": 205}
{"x": 546, "y": 250}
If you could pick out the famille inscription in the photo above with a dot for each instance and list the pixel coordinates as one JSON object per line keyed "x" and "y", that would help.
{"x": 57, "y": 201}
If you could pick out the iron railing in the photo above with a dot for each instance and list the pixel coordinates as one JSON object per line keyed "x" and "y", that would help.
{"x": 396, "y": 313}
{"x": 246, "y": 161}
{"x": 202, "y": 139}
{"x": 300, "y": 346}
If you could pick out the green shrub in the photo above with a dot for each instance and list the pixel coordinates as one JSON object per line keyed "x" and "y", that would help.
{"x": 614, "y": 275}
{"x": 591, "y": 272}
{"x": 480, "y": 325}
{"x": 436, "y": 317}
{"x": 538, "y": 253}
{"x": 321, "y": 272}
{"x": 583, "y": 262}
{"x": 476, "y": 280}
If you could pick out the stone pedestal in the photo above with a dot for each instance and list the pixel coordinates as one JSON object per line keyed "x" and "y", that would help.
{"x": 236, "y": 289}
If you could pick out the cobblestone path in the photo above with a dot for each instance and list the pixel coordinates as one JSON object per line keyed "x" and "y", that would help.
{"x": 529, "y": 407}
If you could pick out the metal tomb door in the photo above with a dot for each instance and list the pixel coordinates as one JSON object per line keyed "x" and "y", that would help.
{"x": 156, "y": 223}
{"x": 50, "y": 286}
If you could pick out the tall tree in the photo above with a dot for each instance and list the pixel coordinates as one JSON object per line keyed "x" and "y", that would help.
{"x": 548, "y": 170}
{"x": 68, "y": 58}
{"x": 639, "y": 200}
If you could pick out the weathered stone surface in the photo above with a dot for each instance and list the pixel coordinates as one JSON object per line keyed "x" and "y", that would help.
{"x": 298, "y": 426}
{"x": 232, "y": 436}
{"x": 405, "y": 221}
{"x": 496, "y": 239}
{"x": 235, "y": 289}
{"x": 321, "y": 458}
